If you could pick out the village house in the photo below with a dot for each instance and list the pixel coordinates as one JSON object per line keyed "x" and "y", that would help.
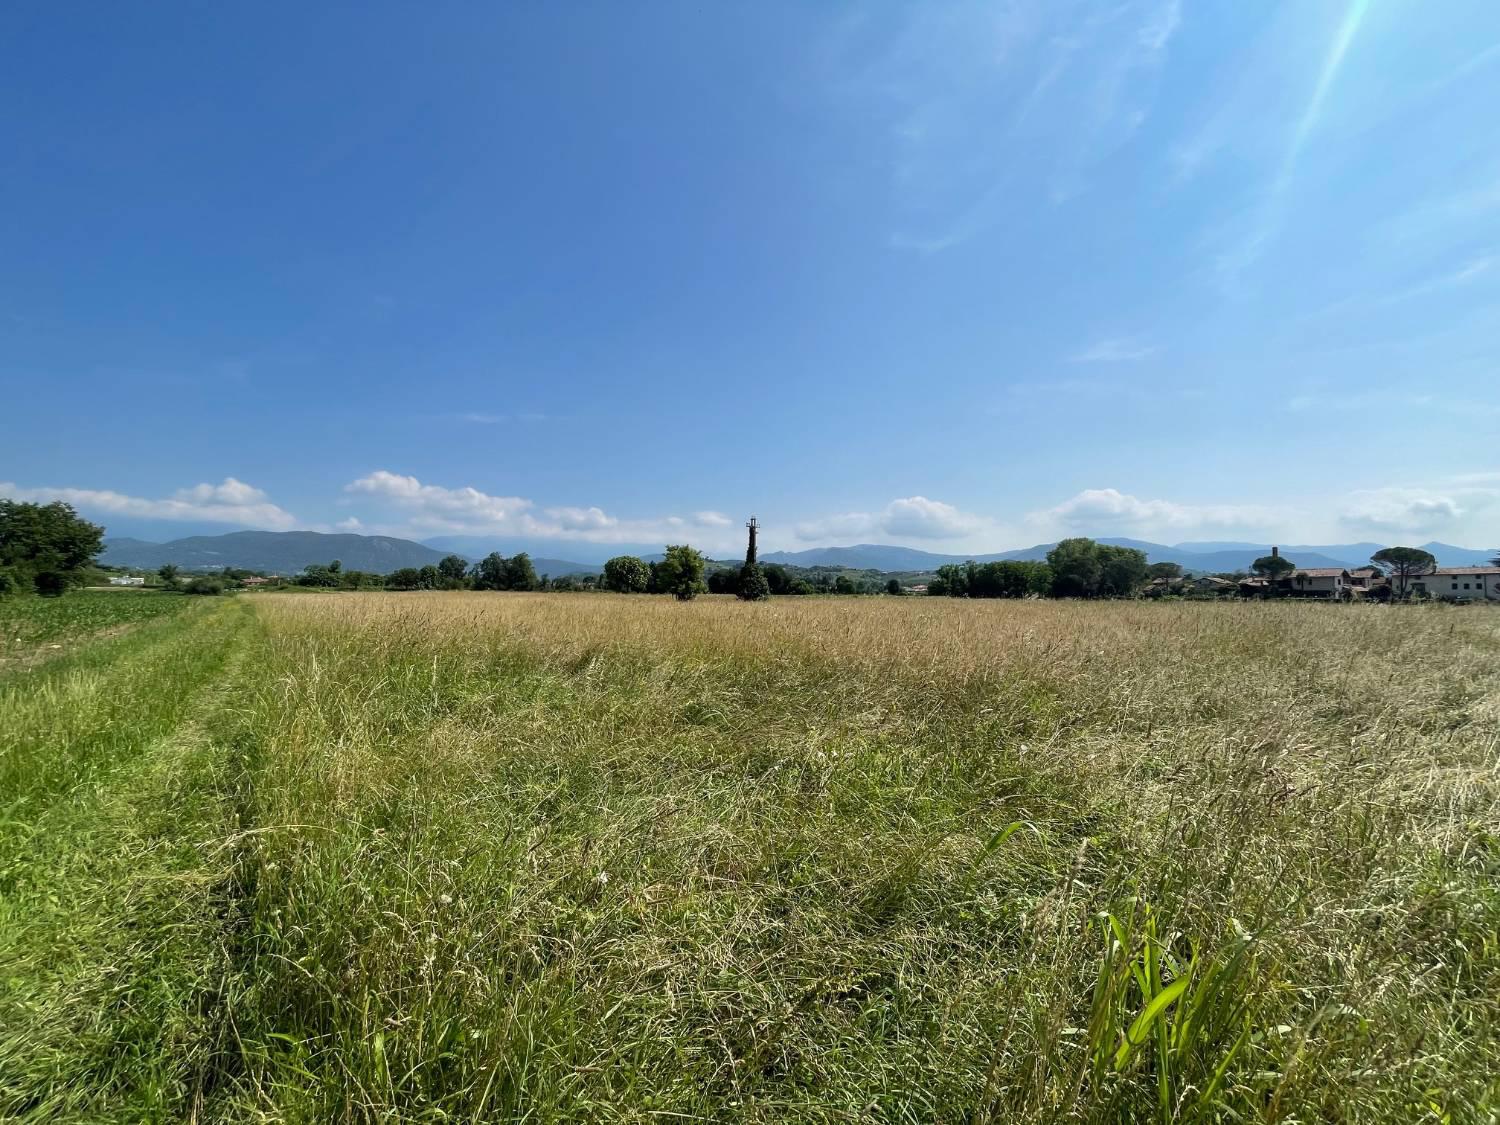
{"x": 1458, "y": 583}
{"x": 1364, "y": 577}
{"x": 1318, "y": 582}
{"x": 1208, "y": 584}
{"x": 126, "y": 580}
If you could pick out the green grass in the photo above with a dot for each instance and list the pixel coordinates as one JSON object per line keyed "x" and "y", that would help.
{"x": 493, "y": 857}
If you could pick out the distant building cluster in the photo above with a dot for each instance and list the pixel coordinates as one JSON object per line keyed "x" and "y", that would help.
{"x": 1332, "y": 583}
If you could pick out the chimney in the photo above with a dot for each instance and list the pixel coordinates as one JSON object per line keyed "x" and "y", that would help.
{"x": 1275, "y": 552}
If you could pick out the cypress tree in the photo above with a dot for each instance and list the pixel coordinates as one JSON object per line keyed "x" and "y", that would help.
{"x": 753, "y": 584}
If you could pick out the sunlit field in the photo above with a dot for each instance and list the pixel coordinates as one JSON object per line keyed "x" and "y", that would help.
{"x": 477, "y": 857}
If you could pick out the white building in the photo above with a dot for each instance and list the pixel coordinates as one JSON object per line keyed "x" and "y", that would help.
{"x": 1459, "y": 583}
{"x": 126, "y": 580}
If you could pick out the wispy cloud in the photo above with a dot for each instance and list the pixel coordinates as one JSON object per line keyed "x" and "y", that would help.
{"x": 978, "y": 107}
{"x": 1469, "y": 272}
{"x": 1115, "y": 349}
{"x": 1270, "y": 215}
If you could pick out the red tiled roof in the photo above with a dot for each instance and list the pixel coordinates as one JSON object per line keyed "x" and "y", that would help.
{"x": 1444, "y": 571}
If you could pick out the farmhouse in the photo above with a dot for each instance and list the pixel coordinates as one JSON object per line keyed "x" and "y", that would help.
{"x": 1459, "y": 583}
{"x": 1318, "y": 582}
{"x": 126, "y": 580}
{"x": 1364, "y": 577}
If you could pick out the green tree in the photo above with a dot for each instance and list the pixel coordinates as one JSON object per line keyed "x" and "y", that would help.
{"x": 778, "y": 578}
{"x": 205, "y": 585}
{"x": 322, "y": 577}
{"x": 843, "y": 584}
{"x": 1272, "y": 567}
{"x": 680, "y": 573}
{"x": 753, "y": 585}
{"x": 490, "y": 572}
{"x": 519, "y": 573}
{"x": 626, "y": 574}
{"x": 45, "y": 547}
{"x": 1122, "y": 571}
{"x": 1168, "y": 570}
{"x": 407, "y": 578}
{"x": 168, "y": 575}
{"x": 1076, "y": 568}
{"x": 893, "y": 587}
{"x": 453, "y": 570}
{"x": 1404, "y": 563}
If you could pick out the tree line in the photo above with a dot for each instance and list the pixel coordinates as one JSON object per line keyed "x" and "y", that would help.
{"x": 47, "y": 548}
{"x": 1075, "y": 568}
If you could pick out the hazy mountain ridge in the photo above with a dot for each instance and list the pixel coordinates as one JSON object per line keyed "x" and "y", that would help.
{"x": 287, "y": 552}
{"x": 1208, "y": 557}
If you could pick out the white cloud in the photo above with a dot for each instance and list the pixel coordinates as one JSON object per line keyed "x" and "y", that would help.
{"x": 843, "y": 526}
{"x": 921, "y": 518}
{"x": 231, "y": 501}
{"x": 581, "y": 519}
{"x": 1403, "y": 510}
{"x": 914, "y": 517}
{"x": 350, "y": 524}
{"x": 1102, "y": 510}
{"x": 447, "y": 508}
{"x": 430, "y": 508}
{"x": 1115, "y": 350}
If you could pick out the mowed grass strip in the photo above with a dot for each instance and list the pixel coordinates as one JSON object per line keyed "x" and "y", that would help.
{"x": 116, "y": 806}
{"x": 612, "y": 858}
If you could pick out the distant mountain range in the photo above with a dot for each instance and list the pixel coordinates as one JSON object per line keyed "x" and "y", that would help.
{"x": 287, "y": 552}
{"x": 1202, "y": 557}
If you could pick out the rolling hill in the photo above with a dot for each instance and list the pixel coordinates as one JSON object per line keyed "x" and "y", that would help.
{"x": 276, "y": 552}
{"x": 287, "y": 552}
{"x": 1201, "y": 557}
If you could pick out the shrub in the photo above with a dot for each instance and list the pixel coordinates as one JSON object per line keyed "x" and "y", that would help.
{"x": 204, "y": 585}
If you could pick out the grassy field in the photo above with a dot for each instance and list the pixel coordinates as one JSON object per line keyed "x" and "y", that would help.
{"x": 476, "y": 857}
{"x": 36, "y": 629}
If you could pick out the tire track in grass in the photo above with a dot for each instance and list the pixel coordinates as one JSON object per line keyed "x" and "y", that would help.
{"x": 112, "y": 873}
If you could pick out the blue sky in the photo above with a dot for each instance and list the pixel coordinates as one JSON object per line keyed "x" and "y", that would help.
{"x": 956, "y": 276}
